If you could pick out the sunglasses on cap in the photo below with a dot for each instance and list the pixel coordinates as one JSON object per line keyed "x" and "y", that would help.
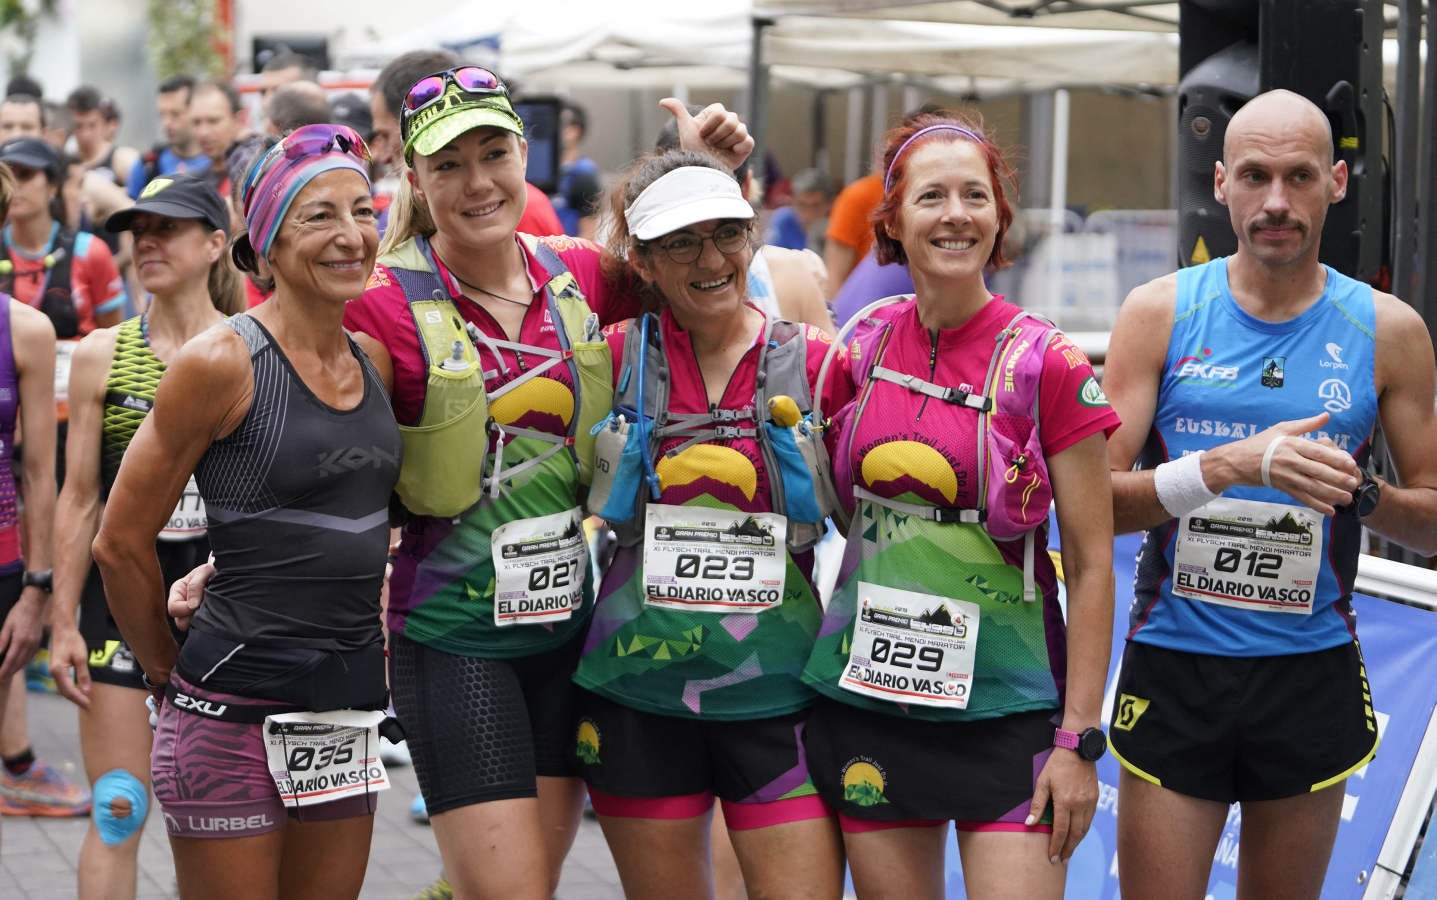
{"x": 307, "y": 141}
{"x": 470, "y": 79}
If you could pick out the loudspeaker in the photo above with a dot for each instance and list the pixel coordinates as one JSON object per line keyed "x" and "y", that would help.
{"x": 1330, "y": 51}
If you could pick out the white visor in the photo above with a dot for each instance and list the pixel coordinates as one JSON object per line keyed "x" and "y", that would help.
{"x": 682, "y": 197}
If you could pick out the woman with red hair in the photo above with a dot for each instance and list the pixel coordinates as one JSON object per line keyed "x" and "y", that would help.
{"x": 952, "y": 689}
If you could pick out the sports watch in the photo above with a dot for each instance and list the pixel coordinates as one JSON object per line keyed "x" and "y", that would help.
{"x": 1364, "y": 497}
{"x": 40, "y": 579}
{"x": 1090, "y": 744}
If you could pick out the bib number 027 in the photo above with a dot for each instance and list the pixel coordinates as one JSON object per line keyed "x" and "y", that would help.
{"x": 556, "y": 575}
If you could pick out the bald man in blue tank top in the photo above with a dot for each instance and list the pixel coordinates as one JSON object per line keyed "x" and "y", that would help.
{"x": 1252, "y": 427}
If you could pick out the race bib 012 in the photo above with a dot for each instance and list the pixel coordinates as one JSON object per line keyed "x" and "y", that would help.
{"x": 1249, "y": 554}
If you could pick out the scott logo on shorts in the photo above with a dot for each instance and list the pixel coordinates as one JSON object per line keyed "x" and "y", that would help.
{"x": 1129, "y": 710}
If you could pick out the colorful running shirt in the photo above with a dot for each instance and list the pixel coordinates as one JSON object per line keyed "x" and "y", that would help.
{"x": 10, "y": 561}
{"x": 683, "y": 626}
{"x": 927, "y": 619}
{"x": 94, "y": 282}
{"x": 129, "y": 395}
{"x": 443, "y": 586}
{"x": 1254, "y": 573}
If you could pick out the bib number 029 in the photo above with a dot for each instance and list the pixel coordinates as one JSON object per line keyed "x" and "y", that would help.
{"x": 901, "y": 654}
{"x": 692, "y": 565}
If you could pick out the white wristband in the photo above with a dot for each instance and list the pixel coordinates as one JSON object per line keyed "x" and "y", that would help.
{"x": 1180, "y": 486}
{"x": 1267, "y": 460}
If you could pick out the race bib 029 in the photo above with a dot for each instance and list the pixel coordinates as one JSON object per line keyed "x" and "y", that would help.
{"x": 912, "y": 648}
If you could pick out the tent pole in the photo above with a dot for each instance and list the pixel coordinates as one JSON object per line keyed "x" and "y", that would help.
{"x": 1425, "y": 300}
{"x": 1059, "y": 204}
{"x": 757, "y": 114}
{"x": 1404, "y": 169}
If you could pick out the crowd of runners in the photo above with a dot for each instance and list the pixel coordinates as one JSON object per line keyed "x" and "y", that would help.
{"x": 534, "y": 488}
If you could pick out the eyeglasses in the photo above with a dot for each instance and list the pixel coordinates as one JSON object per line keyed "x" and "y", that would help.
{"x": 686, "y": 247}
{"x": 470, "y": 79}
{"x": 304, "y": 142}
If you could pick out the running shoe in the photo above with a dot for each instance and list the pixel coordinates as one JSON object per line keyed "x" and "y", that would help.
{"x": 394, "y": 755}
{"x": 42, "y": 791}
{"x": 419, "y": 810}
{"x": 439, "y": 890}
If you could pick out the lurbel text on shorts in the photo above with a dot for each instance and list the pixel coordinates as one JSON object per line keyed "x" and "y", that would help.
{"x": 203, "y": 707}
{"x": 1243, "y": 589}
{"x": 914, "y": 684}
{"x": 228, "y": 823}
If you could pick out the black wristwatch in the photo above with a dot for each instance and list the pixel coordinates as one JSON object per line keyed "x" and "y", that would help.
{"x": 44, "y": 580}
{"x": 1364, "y": 497}
{"x": 1090, "y": 744}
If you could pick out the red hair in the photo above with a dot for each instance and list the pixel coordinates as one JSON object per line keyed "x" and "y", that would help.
{"x": 1000, "y": 172}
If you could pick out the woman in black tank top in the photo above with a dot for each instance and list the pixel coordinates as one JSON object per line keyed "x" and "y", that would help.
{"x": 287, "y": 427}
{"x": 180, "y": 227}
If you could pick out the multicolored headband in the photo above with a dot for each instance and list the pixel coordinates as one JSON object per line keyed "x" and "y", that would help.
{"x": 278, "y": 176}
{"x": 966, "y": 132}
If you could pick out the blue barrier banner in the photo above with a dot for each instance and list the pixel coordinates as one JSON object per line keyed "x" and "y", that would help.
{"x": 1398, "y": 643}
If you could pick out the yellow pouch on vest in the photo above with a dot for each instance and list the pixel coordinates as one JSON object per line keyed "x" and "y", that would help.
{"x": 442, "y": 471}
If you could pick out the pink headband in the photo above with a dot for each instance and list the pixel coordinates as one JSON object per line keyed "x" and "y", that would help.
{"x": 966, "y": 132}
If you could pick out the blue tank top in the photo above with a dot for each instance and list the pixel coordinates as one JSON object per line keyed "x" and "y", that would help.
{"x": 1255, "y": 573}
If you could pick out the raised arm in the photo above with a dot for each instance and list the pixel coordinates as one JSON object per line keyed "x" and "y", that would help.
{"x": 203, "y": 396}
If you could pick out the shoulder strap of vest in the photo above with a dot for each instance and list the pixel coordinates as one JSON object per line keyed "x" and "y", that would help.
{"x": 58, "y": 302}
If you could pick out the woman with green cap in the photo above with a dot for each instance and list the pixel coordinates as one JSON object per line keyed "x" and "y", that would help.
{"x": 496, "y": 344}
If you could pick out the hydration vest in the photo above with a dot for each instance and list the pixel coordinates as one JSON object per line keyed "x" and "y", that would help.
{"x": 445, "y": 452}
{"x": 56, "y": 297}
{"x": 1014, "y": 488}
{"x": 627, "y": 441}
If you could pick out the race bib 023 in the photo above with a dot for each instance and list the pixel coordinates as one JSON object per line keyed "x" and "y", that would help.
{"x": 713, "y": 560}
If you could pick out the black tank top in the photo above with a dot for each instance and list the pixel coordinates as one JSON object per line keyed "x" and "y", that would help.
{"x": 298, "y": 500}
